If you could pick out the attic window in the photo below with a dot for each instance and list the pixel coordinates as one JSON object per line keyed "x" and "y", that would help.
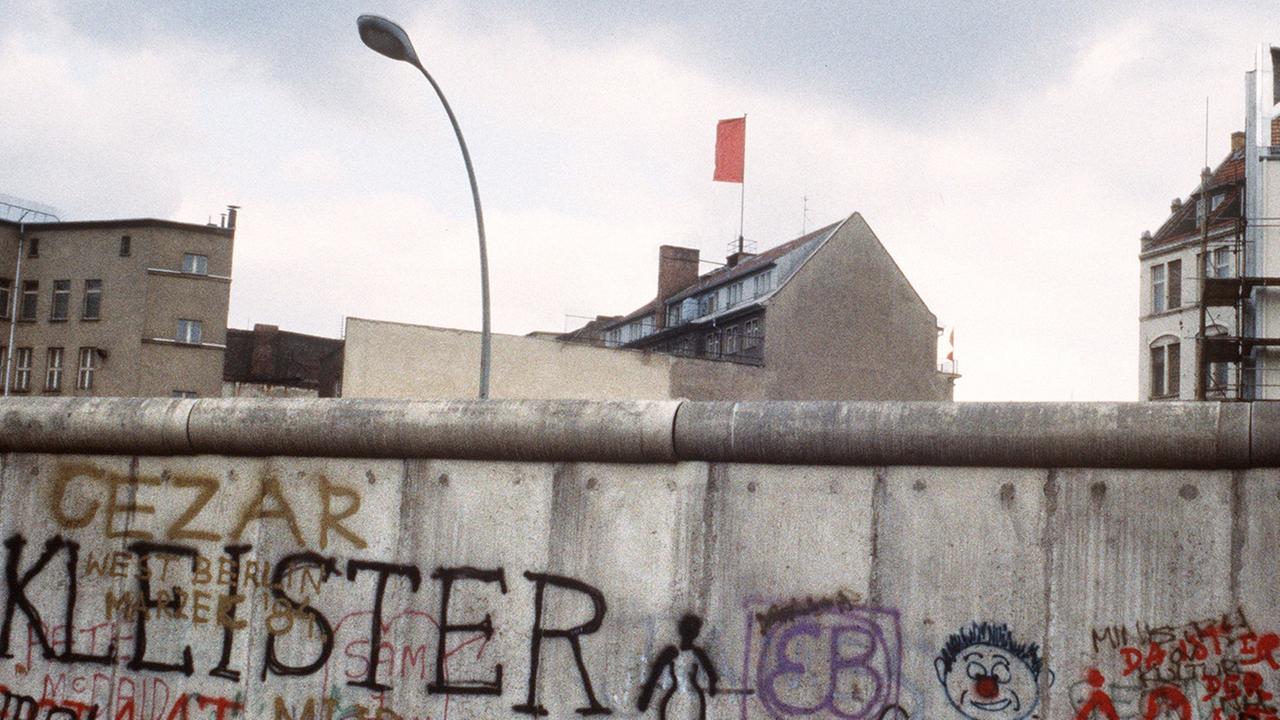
{"x": 1217, "y": 200}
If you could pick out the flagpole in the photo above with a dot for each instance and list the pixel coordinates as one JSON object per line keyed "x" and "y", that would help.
{"x": 742, "y": 201}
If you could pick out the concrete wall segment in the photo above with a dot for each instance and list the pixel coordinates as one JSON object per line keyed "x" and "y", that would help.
{"x": 122, "y": 426}
{"x": 823, "y": 591}
{"x": 969, "y": 434}
{"x": 621, "y": 431}
{"x": 1153, "y": 435}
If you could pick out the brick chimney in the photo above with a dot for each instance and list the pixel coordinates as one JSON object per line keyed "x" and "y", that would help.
{"x": 677, "y": 270}
{"x": 1237, "y": 141}
{"x": 263, "y": 360}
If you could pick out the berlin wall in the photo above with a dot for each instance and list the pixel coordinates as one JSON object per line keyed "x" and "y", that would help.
{"x": 326, "y": 559}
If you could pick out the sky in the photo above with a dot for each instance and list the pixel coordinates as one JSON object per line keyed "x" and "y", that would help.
{"x": 1008, "y": 155}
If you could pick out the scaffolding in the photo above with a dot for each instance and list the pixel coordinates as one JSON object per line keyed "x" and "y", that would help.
{"x": 1227, "y": 368}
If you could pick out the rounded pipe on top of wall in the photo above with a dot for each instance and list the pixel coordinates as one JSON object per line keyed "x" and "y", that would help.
{"x": 1193, "y": 435}
{"x": 1093, "y": 434}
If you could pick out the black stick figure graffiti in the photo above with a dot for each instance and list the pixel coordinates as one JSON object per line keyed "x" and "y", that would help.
{"x": 693, "y": 659}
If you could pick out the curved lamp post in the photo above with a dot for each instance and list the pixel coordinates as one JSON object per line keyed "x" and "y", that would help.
{"x": 388, "y": 38}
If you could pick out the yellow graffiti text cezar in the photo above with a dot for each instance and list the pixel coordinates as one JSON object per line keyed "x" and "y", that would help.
{"x": 82, "y": 493}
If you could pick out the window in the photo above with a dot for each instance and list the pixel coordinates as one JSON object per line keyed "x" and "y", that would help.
{"x": 753, "y": 334}
{"x": 88, "y": 363}
{"x": 92, "y": 300}
{"x": 707, "y": 304}
{"x": 30, "y": 300}
{"x": 731, "y": 340}
{"x": 735, "y": 294}
{"x": 673, "y": 314}
{"x": 6, "y": 297}
{"x": 53, "y": 370}
{"x": 1175, "y": 284}
{"x": 189, "y": 331}
{"x": 1218, "y": 378}
{"x": 1217, "y": 200}
{"x": 126, "y": 246}
{"x": 184, "y": 393}
{"x": 1157, "y": 288}
{"x": 713, "y": 344}
{"x": 613, "y": 338}
{"x": 61, "y": 300}
{"x": 195, "y": 264}
{"x": 1166, "y": 369}
{"x": 22, "y": 370}
{"x": 33, "y": 248}
{"x": 763, "y": 281}
{"x": 1217, "y": 263}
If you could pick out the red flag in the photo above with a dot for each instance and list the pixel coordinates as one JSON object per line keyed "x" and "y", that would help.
{"x": 731, "y": 143}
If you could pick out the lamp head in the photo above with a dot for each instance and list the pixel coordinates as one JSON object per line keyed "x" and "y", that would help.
{"x": 387, "y": 38}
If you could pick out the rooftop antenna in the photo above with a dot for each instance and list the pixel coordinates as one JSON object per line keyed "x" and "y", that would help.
{"x": 804, "y": 216}
{"x": 17, "y": 210}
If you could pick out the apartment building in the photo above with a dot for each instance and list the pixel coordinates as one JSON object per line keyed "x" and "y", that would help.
{"x": 1174, "y": 260}
{"x": 114, "y": 307}
{"x": 1209, "y": 318}
{"x": 826, "y": 316}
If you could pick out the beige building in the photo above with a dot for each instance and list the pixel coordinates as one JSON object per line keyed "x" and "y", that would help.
{"x": 397, "y": 360}
{"x": 827, "y": 316}
{"x": 114, "y": 307}
{"x": 842, "y": 323}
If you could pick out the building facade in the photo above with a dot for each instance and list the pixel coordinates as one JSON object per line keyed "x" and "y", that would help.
{"x": 1209, "y": 317}
{"x": 827, "y": 316}
{"x": 1173, "y": 262}
{"x": 269, "y": 362}
{"x": 399, "y": 360}
{"x": 114, "y": 307}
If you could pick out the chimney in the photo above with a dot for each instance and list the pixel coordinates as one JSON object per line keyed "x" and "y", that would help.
{"x": 263, "y": 359}
{"x": 1237, "y": 141}
{"x": 231, "y": 216}
{"x": 1176, "y": 205}
{"x": 677, "y": 270}
{"x": 734, "y": 259}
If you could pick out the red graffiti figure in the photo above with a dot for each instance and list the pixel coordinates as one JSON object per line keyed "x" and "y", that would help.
{"x": 1099, "y": 701}
{"x": 1167, "y": 697}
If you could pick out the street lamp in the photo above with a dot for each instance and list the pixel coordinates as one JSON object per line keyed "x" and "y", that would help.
{"x": 388, "y": 38}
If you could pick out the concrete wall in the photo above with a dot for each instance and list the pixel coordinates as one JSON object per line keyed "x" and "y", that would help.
{"x": 846, "y": 560}
{"x": 396, "y": 360}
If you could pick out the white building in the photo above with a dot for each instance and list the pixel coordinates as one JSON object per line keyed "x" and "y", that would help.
{"x": 1229, "y": 262}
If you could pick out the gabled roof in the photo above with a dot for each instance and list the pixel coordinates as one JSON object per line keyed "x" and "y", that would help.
{"x": 1228, "y": 178}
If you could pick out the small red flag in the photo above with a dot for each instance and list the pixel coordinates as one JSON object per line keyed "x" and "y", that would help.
{"x": 731, "y": 143}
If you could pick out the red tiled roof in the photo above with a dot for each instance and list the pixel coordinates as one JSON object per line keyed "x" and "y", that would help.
{"x": 1228, "y": 178}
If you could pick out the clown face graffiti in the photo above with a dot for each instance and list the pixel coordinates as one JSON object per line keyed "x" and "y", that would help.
{"x": 988, "y": 676}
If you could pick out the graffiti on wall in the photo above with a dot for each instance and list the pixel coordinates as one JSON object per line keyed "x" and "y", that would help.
{"x": 1214, "y": 667}
{"x": 825, "y": 658}
{"x": 989, "y": 675}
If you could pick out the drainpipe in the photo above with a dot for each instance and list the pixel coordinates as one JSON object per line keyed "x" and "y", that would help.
{"x": 13, "y": 297}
